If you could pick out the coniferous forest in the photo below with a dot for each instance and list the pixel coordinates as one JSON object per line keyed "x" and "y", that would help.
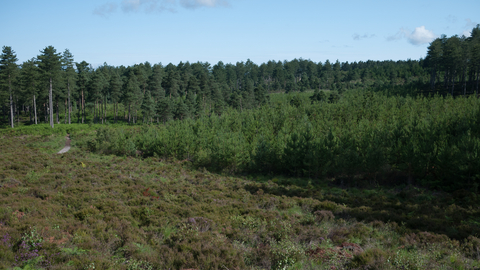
{"x": 278, "y": 165}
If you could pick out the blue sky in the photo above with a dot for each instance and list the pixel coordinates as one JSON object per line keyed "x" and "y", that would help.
{"x": 126, "y": 32}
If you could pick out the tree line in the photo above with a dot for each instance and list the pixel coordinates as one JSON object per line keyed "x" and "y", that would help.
{"x": 53, "y": 87}
{"x": 159, "y": 93}
{"x": 455, "y": 61}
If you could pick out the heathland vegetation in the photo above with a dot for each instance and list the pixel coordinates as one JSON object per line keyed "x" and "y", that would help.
{"x": 285, "y": 165}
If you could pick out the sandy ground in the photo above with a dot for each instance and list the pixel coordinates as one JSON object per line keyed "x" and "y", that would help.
{"x": 67, "y": 145}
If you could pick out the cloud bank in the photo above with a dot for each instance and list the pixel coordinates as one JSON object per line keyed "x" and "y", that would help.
{"x": 149, "y": 6}
{"x": 419, "y": 36}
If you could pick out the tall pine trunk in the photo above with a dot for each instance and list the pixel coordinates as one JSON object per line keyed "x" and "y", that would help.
{"x": 45, "y": 110}
{"x": 35, "y": 108}
{"x": 11, "y": 110}
{"x": 50, "y": 100}
{"x": 65, "y": 113}
{"x": 83, "y": 108}
{"x": 79, "y": 111}
{"x": 58, "y": 112}
{"x": 17, "y": 111}
{"x": 11, "y": 101}
{"x": 476, "y": 91}
{"x": 69, "y": 105}
{"x": 105, "y": 109}
{"x": 129, "y": 113}
{"x": 453, "y": 83}
{"x": 95, "y": 112}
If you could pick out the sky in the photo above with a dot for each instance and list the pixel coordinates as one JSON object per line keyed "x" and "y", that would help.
{"x": 128, "y": 32}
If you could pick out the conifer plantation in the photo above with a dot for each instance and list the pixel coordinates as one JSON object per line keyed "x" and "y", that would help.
{"x": 277, "y": 165}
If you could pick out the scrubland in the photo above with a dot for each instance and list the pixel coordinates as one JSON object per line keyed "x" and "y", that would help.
{"x": 231, "y": 196}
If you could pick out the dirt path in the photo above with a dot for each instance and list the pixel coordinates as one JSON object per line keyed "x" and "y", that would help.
{"x": 67, "y": 145}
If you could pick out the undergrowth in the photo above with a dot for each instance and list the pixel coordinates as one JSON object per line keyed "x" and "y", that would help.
{"x": 82, "y": 210}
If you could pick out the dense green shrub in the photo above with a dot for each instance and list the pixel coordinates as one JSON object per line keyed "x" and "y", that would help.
{"x": 433, "y": 141}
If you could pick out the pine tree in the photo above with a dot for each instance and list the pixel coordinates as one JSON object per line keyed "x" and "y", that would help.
{"x": 148, "y": 107}
{"x": 171, "y": 82}
{"x": 260, "y": 96}
{"x": 452, "y": 59}
{"x": 142, "y": 77}
{"x": 155, "y": 83}
{"x": 8, "y": 68}
{"x": 29, "y": 77}
{"x": 107, "y": 72}
{"x": 248, "y": 95}
{"x": 434, "y": 58}
{"x": 50, "y": 65}
{"x": 96, "y": 86}
{"x": 290, "y": 83}
{"x": 83, "y": 80}
{"x": 475, "y": 57}
{"x": 217, "y": 99}
{"x": 192, "y": 90}
{"x": 164, "y": 109}
{"x": 181, "y": 109}
{"x": 327, "y": 73}
{"x": 236, "y": 100}
{"x": 219, "y": 73}
{"x": 115, "y": 92}
{"x": 337, "y": 75}
{"x": 132, "y": 96}
{"x": 190, "y": 103}
{"x": 70, "y": 78}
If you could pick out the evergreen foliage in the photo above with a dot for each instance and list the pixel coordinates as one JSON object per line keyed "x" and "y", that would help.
{"x": 50, "y": 65}
{"x": 8, "y": 68}
{"x": 361, "y": 136}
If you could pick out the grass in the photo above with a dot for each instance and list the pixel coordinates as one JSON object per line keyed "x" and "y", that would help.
{"x": 82, "y": 210}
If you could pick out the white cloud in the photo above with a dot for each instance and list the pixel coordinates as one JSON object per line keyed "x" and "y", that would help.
{"x": 466, "y": 33}
{"x": 419, "y": 36}
{"x": 149, "y": 6}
